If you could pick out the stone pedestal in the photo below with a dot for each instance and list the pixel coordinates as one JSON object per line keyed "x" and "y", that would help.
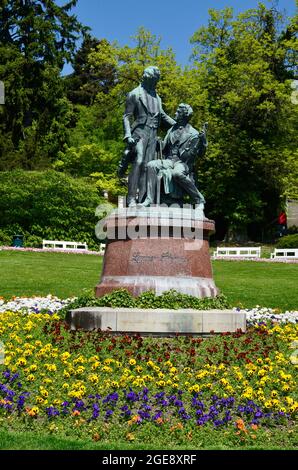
{"x": 158, "y": 249}
{"x": 158, "y": 322}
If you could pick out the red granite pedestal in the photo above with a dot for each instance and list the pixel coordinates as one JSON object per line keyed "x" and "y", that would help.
{"x": 158, "y": 249}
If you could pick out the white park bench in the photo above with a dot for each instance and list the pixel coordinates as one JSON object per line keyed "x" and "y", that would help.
{"x": 285, "y": 253}
{"x": 238, "y": 252}
{"x": 62, "y": 245}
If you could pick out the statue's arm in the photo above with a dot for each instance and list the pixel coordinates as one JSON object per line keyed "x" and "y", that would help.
{"x": 128, "y": 114}
{"x": 191, "y": 148}
{"x": 166, "y": 120}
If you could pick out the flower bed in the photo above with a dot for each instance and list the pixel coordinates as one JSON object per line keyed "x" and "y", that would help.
{"x": 258, "y": 260}
{"x": 51, "y": 250}
{"x": 52, "y": 304}
{"x": 259, "y": 315}
{"x": 49, "y": 304}
{"x": 91, "y": 384}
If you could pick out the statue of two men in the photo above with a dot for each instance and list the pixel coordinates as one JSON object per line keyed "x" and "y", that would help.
{"x": 180, "y": 148}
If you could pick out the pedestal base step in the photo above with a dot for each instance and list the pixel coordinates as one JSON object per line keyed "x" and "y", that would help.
{"x": 156, "y": 321}
{"x": 136, "y": 285}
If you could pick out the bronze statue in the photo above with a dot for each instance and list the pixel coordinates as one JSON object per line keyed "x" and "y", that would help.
{"x": 144, "y": 106}
{"x": 181, "y": 147}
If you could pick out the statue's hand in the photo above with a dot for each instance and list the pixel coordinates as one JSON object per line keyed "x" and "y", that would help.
{"x": 130, "y": 141}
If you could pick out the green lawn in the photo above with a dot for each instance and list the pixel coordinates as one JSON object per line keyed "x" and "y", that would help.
{"x": 205, "y": 440}
{"x": 61, "y": 274}
{"x": 246, "y": 282}
{"x": 255, "y": 283}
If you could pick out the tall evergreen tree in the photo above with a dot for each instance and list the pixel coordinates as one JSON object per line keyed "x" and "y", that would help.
{"x": 40, "y": 29}
{"x": 85, "y": 82}
{"x": 36, "y": 38}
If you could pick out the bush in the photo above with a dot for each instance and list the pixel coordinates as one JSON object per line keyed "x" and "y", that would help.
{"x": 5, "y": 238}
{"x": 33, "y": 241}
{"x": 293, "y": 230}
{"x": 48, "y": 205}
{"x": 170, "y": 300}
{"x": 289, "y": 241}
{"x": 84, "y": 160}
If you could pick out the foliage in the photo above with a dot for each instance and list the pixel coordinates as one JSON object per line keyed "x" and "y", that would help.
{"x": 240, "y": 82}
{"x": 33, "y": 241}
{"x": 244, "y": 69}
{"x": 291, "y": 162}
{"x": 37, "y": 37}
{"x": 169, "y": 300}
{"x": 292, "y": 230}
{"x": 289, "y": 241}
{"x": 94, "y": 386}
{"x": 84, "y": 160}
{"x": 92, "y": 160}
{"x": 48, "y": 204}
{"x": 5, "y": 239}
{"x": 84, "y": 83}
{"x": 41, "y": 29}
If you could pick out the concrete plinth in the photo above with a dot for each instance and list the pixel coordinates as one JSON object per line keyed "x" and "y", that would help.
{"x": 161, "y": 322}
{"x": 158, "y": 249}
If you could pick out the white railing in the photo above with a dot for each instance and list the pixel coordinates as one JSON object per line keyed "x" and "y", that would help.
{"x": 238, "y": 252}
{"x": 63, "y": 245}
{"x": 102, "y": 248}
{"x": 285, "y": 253}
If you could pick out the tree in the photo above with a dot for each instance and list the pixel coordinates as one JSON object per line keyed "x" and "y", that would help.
{"x": 84, "y": 83}
{"x": 40, "y": 29}
{"x": 37, "y": 37}
{"x": 244, "y": 68}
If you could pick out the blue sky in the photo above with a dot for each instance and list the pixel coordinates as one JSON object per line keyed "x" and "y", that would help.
{"x": 174, "y": 20}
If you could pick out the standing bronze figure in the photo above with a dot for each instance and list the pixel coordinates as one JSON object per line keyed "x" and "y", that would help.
{"x": 144, "y": 108}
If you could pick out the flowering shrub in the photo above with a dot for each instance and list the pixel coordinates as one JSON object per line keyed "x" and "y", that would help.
{"x": 88, "y": 383}
{"x": 52, "y": 304}
{"x": 259, "y": 314}
{"x": 49, "y": 304}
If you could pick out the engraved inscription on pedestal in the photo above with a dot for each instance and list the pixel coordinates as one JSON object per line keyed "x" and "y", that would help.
{"x": 137, "y": 257}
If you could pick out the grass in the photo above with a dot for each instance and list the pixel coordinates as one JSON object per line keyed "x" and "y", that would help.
{"x": 244, "y": 282}
{"x": 27, "y": 273}
{"x": 255, "y": 283}
{"x": 61, "y": 274}
{"x": 210, "y": 440}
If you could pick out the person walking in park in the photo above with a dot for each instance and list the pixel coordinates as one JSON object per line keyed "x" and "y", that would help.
{"x": 282, "y": 224}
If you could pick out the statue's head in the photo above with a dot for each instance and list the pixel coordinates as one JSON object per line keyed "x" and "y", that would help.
{"x": 151, "y": 75}
{"x": 183, "y": 112}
